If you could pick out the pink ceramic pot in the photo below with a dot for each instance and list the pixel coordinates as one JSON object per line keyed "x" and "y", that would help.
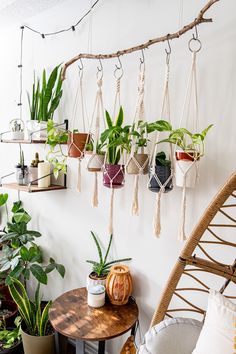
{"x": 113, "y": 176}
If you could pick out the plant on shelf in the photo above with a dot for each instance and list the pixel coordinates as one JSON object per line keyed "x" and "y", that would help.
{"x": 162, "y": 172}
{"x": 115, "y": 138}
{"x": 21, "y": 256}
{"x": 22, "y": 171}
{"x": 10, "y": 338}
{"x": 33, "y": 169}
{"x": 36, "y": 329}
{"x": 101, "y": 268}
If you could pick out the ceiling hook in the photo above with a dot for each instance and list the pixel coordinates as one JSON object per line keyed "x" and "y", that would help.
{"x": 81, "y": 65}
{"x": 142, "y": 59}
{"x": 120, "y": 64}
{"x": 168, "y": 51}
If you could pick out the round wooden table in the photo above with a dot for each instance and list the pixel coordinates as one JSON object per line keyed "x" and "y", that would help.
{"x": 72, "y": 318}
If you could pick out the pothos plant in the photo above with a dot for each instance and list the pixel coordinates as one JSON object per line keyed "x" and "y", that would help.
{"x": 21, "y": 256}
{"x": 10, "y": 337}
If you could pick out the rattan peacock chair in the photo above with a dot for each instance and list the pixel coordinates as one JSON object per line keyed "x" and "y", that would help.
{"x": 215, "y": 233}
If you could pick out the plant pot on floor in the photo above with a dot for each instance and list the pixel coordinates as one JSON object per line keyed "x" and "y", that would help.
{"x": 8, "y": 311}
{"x": 93, "y": 279}
{"x": 94, "y": 161}
{"x": 76, "y": 144}
{"x": 14, "y": 349}
{"x": 114, "y": 176}
{"x": 138, "y": 164}
{"x": 186, "y": 163}
{"x": 163, "y": 173}
{"x": 38, "y": 345}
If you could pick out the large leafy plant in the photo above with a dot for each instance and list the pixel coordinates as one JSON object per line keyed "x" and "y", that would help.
{"x": 21, "y": 256}
{"x": 102, "y": 267}
{"x": 187, "y": 141}
{"x": 45, "y": 95}
{"x": 35, "y": 319}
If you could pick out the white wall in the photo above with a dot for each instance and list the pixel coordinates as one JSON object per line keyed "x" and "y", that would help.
{"x": 66, "y": 217}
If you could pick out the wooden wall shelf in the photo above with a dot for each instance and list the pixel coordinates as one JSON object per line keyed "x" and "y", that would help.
{"x": 32, "y": 188}
{"x": 23, "y": 141}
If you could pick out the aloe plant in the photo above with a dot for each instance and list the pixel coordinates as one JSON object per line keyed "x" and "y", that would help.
{"x": 46, "y": 95}
{"x": 35, "y": 319}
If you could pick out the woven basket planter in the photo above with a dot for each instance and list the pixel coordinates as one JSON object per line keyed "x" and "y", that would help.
{"x": 113, "y": 176}
{"x": 119, "y": 285}
{"x": 76, "y": 144}
{"x": 163, "y": 173}
{"x": 138, "y": 164}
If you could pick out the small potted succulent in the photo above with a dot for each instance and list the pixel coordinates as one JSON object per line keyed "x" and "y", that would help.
{"x": 33, "y": 169}
{"x": 10, "y": 337}
{"x": 161, "y": 171}
{"x": 101, "y": 268}
{"x": 36, "y": 330}
{"x": 190, "y": 148}
{"x": 113, "y": 174}
{"x": 95, "y": 155}
{"x": 17, "y": 129}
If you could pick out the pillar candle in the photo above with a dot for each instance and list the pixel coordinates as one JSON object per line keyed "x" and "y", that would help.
{"x": 43, "y": 170}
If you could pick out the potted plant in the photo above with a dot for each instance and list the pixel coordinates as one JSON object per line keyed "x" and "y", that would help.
{"x": 22, "y": 171}
{"x": 76, "y": 143}
{"x": 190, "y": 148}
{"x": 95, "y": 155}
{"x": 33, "y": 169}
{"x": 8, "y": 311}
{"x": 17, "y": 129}
{"x": 161, "y": 171}
{"x": 36, "y": 330}
{"x": 10, "y": 337}
{"x": 43, "y": 102}
{"x": 113, "y": 175}
{"x": 101, "y": 268}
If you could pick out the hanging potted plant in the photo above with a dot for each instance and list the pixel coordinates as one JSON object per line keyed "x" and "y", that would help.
{"x": 101, "y": 268}
{"x": 190, "y": 147}
{"x": 43, "y": 102}
{"x": 76, "y": 143}
{"x": 113, "y": 174}
{"x": 95, "y": 155}
{"x": 36, "y": 330}
{"x": 161, "y": 175}
{"x": 137, "y": 160}
{"x": 10, "y": 337}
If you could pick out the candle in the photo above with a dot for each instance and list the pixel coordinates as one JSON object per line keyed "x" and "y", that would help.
{"x": 96, "y": 296}
{"x": 43, "y": 170}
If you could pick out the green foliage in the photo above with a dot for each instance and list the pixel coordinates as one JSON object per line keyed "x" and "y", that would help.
{"x": 188, "y": 141}
{"x": 102, "y": 267}
{"x": 8, "y": 338}
{"x": 21, "y": 256}
{"x": 35, "y": 319}
{"x": 3, "y": 198}
{"x": 46, "y": 95}
{"x": 161, "y": 159}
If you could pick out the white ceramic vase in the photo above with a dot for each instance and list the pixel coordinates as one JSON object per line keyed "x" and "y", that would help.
{"x": 189, "y": 168}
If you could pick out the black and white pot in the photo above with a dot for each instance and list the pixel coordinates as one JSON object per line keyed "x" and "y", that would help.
{"x": 163, "y": 173}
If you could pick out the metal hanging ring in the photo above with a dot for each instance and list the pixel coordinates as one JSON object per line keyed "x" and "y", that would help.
{"x": 196, "y": 41}
{"x": 118, "y": 73}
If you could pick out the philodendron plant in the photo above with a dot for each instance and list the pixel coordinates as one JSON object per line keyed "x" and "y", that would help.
{"x": 45, "y": 96}
{"x": 21, "y": 256}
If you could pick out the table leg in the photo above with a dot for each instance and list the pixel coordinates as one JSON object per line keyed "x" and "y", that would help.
{"x": 101, "y": 347}
{"x": 80, "y": 347}
{"x": 133, "y": 330}
{"x": 60, "y": 343}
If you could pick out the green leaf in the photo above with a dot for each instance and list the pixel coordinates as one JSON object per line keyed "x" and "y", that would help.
{"x": 61, "y": 269}
{"x": 3, "y": 199}
{"x": 21, "y": 217}
{"x": 120, "y": 118}
{"x": 39, "y": 273}
{"x": 24, "y": 253}
{"x": 109, "y": 120}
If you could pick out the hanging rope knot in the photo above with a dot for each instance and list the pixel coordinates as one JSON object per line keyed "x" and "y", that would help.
{"x": 118, "y": 86}
{"x": 99, "y": 83}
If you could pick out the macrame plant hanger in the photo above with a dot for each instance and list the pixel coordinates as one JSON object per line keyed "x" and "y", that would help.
{"x": 186, "y": 170}
{"x": 78, "y": 141}
{"x": 161, "y": 177}
{"x": 114, "y": 178}
{"x": 96, "y": 158}
{"x": 137, "y": 162}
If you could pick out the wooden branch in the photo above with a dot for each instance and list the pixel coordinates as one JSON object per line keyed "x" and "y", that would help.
{"x": 200, "y": 19}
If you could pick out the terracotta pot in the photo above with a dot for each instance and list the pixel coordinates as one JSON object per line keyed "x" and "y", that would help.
{"x": 189, "y": 156}
{"x": 93, "y": 279}
{"x": 189, "y": 168}
{"x": 163, "y": 173}
{"x": 119, "y": 285}
{"x": 138, "y": 164}
{"x": 37, "y": 345}
{"x": 94, "y": 161}
{"x": 113, "y": 176}
{"x": 11, "y": 306}
{"x": 76, "y": 144}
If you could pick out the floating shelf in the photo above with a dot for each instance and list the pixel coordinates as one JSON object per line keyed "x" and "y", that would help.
{"x": 23, "y": 141}
{"x": 32, "y": 188}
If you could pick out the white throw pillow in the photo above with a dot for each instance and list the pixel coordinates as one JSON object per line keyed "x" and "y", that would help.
{"x": 217, "y": 335}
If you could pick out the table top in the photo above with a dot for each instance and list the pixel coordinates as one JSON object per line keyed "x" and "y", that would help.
{"x": 71, "y": 316}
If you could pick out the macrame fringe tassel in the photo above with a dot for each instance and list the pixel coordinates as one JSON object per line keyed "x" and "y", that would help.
{"x": 135, "y": 203}
{"x": 79, "y": 176}
{"x": 95, "y": 191}
{"x": 157, "y": 216}
{"x": 182, "y": 235}
{"x": 110, "y": 228}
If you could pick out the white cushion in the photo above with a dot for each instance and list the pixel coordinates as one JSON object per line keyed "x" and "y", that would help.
{"x": 217, "y": 334}
{"x": 172, "y": 336}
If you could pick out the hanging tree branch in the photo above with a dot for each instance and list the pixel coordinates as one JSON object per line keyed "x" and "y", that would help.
{"x": 198, "y": 20}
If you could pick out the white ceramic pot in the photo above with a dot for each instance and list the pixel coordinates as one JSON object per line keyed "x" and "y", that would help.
{"x": 17, "y": 135}
{"x": 92, "y": 281}
{"x": 94, "y": 162}
{"x": 96, "y": 296}
{"x": 37, "y": 130}
{"x": 188, "y": 167}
